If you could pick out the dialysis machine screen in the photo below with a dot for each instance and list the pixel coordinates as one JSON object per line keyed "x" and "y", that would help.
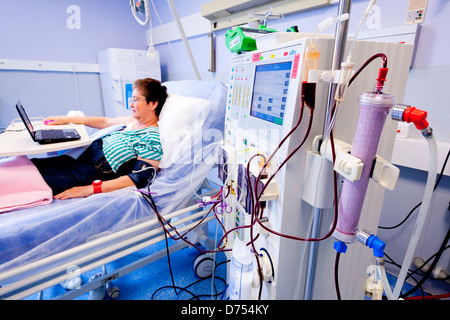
{"x": 270, "y": 91}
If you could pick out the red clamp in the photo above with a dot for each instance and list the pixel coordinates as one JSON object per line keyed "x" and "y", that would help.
{"x": 381, "y": 78}
{"x": 416, "y": 116}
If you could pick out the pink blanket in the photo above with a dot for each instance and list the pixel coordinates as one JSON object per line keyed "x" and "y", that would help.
{"x": 21, "y": 185}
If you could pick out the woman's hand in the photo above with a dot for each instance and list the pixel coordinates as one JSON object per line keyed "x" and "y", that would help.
{"x": 54, "y": 120}
{"x": 75, "y": 192}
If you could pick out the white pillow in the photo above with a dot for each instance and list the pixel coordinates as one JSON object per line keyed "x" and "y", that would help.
{"x": 177, "y": 122}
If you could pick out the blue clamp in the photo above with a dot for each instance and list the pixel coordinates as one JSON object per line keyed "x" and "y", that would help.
{"x": 340, "y": 246}
{"x": 377, "y": 245}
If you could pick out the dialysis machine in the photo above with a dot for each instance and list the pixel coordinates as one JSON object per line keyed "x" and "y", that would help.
{"x": 265, "y": 97}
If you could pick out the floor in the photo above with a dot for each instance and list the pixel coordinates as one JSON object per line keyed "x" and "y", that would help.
{"x": 154, "y": 281}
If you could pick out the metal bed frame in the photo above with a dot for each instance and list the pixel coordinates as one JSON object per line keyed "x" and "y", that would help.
{"x": 36, "y": 276}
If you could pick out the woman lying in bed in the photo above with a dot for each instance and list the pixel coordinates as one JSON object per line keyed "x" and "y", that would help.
{"x": 125, "y": 158}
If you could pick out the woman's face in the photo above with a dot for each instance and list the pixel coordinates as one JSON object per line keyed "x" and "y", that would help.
{"x": 140, "y": 107}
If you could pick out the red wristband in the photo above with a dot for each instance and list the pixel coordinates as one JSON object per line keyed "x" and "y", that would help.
{"x": 97, "y": 184}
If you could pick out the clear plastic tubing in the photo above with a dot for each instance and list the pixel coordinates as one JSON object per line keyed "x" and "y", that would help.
{"x": 428, "y": 193}
{"x": 432, "y": 171}
{"x": 374, "y": 107}
{"x": 384, "y": 279}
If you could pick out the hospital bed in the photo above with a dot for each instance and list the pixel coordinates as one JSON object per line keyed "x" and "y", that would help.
{"x": 43, "y": 246}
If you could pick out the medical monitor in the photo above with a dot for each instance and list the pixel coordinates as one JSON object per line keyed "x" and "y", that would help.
{"x": 270, "y": 91}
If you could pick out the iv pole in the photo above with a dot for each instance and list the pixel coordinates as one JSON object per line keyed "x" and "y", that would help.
{"x": 183, "y": 36}
{"x": 339, "y": 47}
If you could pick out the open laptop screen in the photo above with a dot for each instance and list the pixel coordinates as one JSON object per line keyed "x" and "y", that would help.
{"x": 25, "y": 119}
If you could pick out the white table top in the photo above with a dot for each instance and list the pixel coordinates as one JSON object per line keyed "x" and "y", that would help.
{"x": 16, "y": 140}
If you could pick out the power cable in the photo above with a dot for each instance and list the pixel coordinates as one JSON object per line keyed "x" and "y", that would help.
{"x": 433, "y": 265}
{"x": 420, "y": 203}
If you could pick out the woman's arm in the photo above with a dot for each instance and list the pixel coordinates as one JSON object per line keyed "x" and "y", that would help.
{"x": 107, "y": 186}
{"x": 85, "y": 191}
{"x": 94, "y": 122}
{"x": 154, "y": 163}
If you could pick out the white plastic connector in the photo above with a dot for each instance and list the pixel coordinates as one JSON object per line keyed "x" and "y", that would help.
{"x": 271, "y": 191}
{"x": 345, "y": 164}
{"x": 374, "y": 285}
{"x": 267, "y": 271}
{"x": 266, "y": 223}
{"x": 329, "y": 22}
{"x": 317, "y": 187}
{"x": 327, "y": 76}
{"x": 375, "y": 288}
{"x": 350, "y": 167}
{"x": 404, "y": 130}
{"x": 438, "y": 272}
{"x": 325, "y": 24}
{"x": 385, "y": 173}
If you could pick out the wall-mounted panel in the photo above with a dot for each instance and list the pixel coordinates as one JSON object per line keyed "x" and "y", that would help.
{"x": 226, "y": 14}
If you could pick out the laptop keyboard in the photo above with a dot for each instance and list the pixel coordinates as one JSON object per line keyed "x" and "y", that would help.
{"x": 52, "y": 134}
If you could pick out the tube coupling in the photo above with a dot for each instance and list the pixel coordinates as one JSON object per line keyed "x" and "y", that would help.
{"x": 340, "y": 246}
{"x": 401, "y": 112}
{"x": 362, "y": 236}
{"x": 397, "y": 112}
{"x": 372, "y": 242}
{"x": 427, "y": 132}
{"x": 380, "y": 262}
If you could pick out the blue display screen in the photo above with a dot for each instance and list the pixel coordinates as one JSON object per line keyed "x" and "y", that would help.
{"x": 270, "y": 91}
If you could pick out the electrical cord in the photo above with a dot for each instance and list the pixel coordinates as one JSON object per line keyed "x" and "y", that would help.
{"x": 197, "y": 296}
{"x": 164, "y": 222}
{"x": 391, "y": 261}
{"x": 420, "y": 203}
{"x": 438, "y": 296}
{"x": 443, "y": 247}
{"x": 433, "y": 265}
{"x": 150, "y": 201}
{"x": 168, "y": 261}
{"x": 194, "y": 296}
{"x": 419, "y": 269}
{"x": 336, "y": 275}
{"x": 412, "y": 272}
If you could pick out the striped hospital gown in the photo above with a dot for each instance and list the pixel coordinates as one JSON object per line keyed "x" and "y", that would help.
{"x": 122, "y": 146}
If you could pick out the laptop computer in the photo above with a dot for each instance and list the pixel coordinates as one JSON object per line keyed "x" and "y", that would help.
{"x": 45, "y": 136}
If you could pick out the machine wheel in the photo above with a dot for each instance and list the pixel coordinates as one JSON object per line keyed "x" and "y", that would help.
{"x": 113, "y": 292}
{"x": 203, "y": 266}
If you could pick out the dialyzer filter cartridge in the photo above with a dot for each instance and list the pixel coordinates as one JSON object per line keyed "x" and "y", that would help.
{"x": 374, "y": 107}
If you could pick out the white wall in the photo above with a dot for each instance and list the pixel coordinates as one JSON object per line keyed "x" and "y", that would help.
{"x": 51, "y": 31}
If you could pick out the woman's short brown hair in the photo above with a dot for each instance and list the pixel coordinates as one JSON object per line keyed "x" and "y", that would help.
{"x": 153, "y": 91}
